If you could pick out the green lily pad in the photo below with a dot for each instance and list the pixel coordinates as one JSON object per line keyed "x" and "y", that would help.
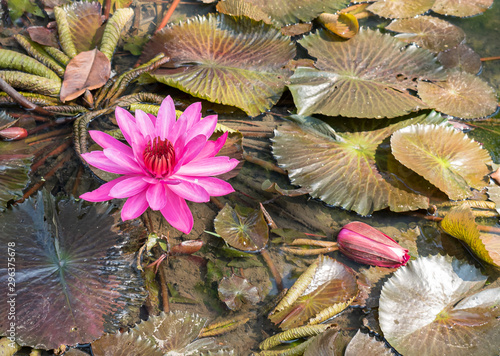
{"x": 124, "y": 344}
{"x": 353, "y": 170}
{"x": 460, "y": 223}
{"x": 242, "y": 228}
{"x": 444, "y": 156}
{"x": 396, "y": 9}
{"x": 368, "y": 76}
{"x": 364, "y": 344}
{"x": 433, "y": 307}
{"x": 236, "y": 291}
{"x": 72, "y": 281}
{"x": 462, "y": 58}
{"x": 84, "y": 20}
{"x": 461, "y": 8}
{"x": 219, "y": 58}
{"x": 461, "y": 95}
{"x": 428, "y": 32}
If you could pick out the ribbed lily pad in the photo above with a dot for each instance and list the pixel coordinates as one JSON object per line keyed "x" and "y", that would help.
{"x": 325, "y": 284}
{"x": 367, "y": 76}
{"x": 396, "y": 9}
{"x": 225, "y": 60}
{"x": 433, "y": 307}
{"x": 242, "y": 228}
{"x": 72, "y": 282}
{"x": 364, "y": 344}
{"x": 461, "y": 8}
{"x": 444, "y": 156}
{"x": 462, "y": 58}
{"x": 352, "y": 170}
{"x": 124, "y": 344}
{"x": 84, "y": 20}
{"x": 462, "y": 95}
{"x": 460, "y": 223}
{"x": 283, "y": 12}
{"x": 428, "y": 32}
{"x": 236, "y": 291}
{"x": 243, "y": 8}
{"x": 15, "y": 162}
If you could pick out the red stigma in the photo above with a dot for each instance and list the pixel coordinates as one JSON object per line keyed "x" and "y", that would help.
{"x": 159, "y": 157}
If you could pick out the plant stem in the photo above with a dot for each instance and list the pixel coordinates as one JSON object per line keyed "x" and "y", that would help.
{"x": 164, "y": 290}
{"x": 490, "y": 59}
{"x": 167, "y": 16}
{"x": 21, "y": 100}
{"x": 263, "y": 164}
{"x": 274, "y": 270}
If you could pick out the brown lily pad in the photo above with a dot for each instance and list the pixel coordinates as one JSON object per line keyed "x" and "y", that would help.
{"x": 84, "y": 20}
{"x": 461, "y": 8}
{"x": 236, "y": 291}
{"x": 88, "y": 70}
{"x": 462, "y": 58}
{"x": 396, "y": 9}
{"x": 43, "y": 36}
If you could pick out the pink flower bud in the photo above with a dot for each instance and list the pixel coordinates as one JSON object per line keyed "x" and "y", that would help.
{"x": 13, "y": 133}
{"x": 365, "y": 244}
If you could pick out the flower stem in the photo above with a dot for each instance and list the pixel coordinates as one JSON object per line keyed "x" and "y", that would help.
{"x": 263, "y": 164}
{"x": 274, "y": 270}
{"x": 167, "y": 16}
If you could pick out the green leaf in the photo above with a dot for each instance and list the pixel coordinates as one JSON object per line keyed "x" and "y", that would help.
{"x": 84, "y": 20}
{"x": 235, "y": 62}
{"x": 113, "y": 30}
{"x": 18, "y": 7}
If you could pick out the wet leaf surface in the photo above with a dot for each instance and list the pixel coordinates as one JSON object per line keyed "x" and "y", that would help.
{"x": 344, "y": 25}
{"x": 364, "y": 344}
{"x": 236, "y": 291}
{"x": 329, "y": 343}
{"x": 219, "y": 59}
{"x": 124, "y": 344}
{"x": 242, "y": 228}
{"x": 446, "y": 312}
{"x": 84, "y": 20}
{"x": 400, "y": 8}
{"x": 454, "y": 163}
{"x": 367, "y": 76}
{"x": 461, "y": 8}
{"x": 462, "y": 58}
{"x": 72, "y": 282}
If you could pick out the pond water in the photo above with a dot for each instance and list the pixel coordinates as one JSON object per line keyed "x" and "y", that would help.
{"x": 194, "y": 279}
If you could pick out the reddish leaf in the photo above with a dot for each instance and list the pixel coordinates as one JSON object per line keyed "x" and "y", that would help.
{"x": 43, "y": 35}
{"x": 88, "y": 70}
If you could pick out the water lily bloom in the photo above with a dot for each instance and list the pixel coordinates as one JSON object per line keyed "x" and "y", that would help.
{"x": 365, "y": 244}
{"x": 168, "y": 162}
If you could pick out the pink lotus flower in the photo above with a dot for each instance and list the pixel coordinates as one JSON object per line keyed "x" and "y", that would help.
{"x": 365, "y": 244}
{"x": 168, "y": 161}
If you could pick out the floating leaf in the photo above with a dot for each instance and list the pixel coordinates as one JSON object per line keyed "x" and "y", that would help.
{"x": 72, "y": 282}
{"x": 461, "y": 8}
{"x": 367, "y": 76}
{"x": 236, "y": 291}
{"x": 428, "y": 32}
{"x": 351, "y": 170}
{"x": 432, "y": 307}
{"x": 460, "y": 223}
{"x": 15, "y": 162}
{"x": 124, "y": 344}
{"x": 225, "y": 60}
{"x": 84, "y": 20}
{"x": 242, "y": 228}
{"x": 400, "y": 8}
{"x": 462, "y": 58}
{"x": 324, "y": 284}
{"x": 453, "y": 162}
{"x": 282, "y": 12}
{"x": 364, "y": 344}
{"x": 88, "y": 70}
{"x": 462, "y": 95}
{"x": 344, "y": 25}
{"x": 329, "y": 343}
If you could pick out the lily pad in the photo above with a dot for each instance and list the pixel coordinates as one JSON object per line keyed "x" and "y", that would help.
{"x": 462, "y": 95}
{"x": 396, "y": 9}
{"x": 353, "y": 170}
{"x": 368, "y": 76}
{"x": 236, "y": 291}
{"x": 242, "y": 228}
{"x": 243, "y": 8}
{"x": 364, "y": 344}
{"x": 84, "y": 20}
{"x": 326, "y": 286}
{"x": 428, "y": 32}
{"x": 124, "y": 344}
{"x": 219, "y": 58}
{"x": 461, "y": 8}
{"x": 444, "y": 156}
{"x": 72, "y": 282}
{"x": 329, "y": 343}
{"x": 460, "y": 223}
{"x": 462, "y": 58}
{"x": 433, "y": 307}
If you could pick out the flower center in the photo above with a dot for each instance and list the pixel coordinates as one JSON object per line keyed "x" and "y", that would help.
{"x": 159, "y": 157}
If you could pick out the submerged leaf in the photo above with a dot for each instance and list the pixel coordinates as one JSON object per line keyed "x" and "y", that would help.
{"x": 124, "y": 344}
{"x": 461, "y": 8}
{"x": 367, "y": 76}
{"x": 461, "y": 95}
{"x": 15, "y": 161}
{"x": 400, "y": 8}
{"x": 242, "y": 228}
{"x": 86, "y": 71}
{"x": 72, "y": 282}
{"x": 235, "y": 291}
{"x": 462, "y": 58}
{"x": 225, "y": 60}
{"x": 432, "y": 307}
{"x": 460, "y": 223}
{"x": 444, "y": 156}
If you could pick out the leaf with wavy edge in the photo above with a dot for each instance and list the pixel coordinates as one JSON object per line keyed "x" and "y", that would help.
{"x": 116, "y": 24}
{"x": 225, "y": 60}
{"x": 444, "y": 156}
{"x": 18, "y": 61}
{"x": 460, "y": 223}
{"x": 84, "y": 20}
{"x": 352, "y": 170}
{"x": 35, "y": 83}
{"x": 236, "y": 291}
{"x": 64, "y": 32}
{"x": 461, "y": 8}
{"x": 73, "y": 282}
{"x": 432, "y": 307}
{"x": 428, "y": 32}
{"x": 124, "y": 344}
{"x": 243, "y": 8}
{"x": 461, "y": 95}
{"x": 396, "y": 9}
{"x": 367, "y": 76}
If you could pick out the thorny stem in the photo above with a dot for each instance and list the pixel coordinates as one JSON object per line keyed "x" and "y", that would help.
{"x": 167, "y": 16}
{"x": 21, "y": 100}
{"x": 263, "y": 164}
{"x": 272, "y": 267}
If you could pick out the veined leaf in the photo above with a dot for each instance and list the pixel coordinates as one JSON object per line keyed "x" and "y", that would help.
{"x": 461, "y": 8}
{"x": 18, "y": 61}
{"x": 113, "y": 30}
{"x": 400, "y": 8}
